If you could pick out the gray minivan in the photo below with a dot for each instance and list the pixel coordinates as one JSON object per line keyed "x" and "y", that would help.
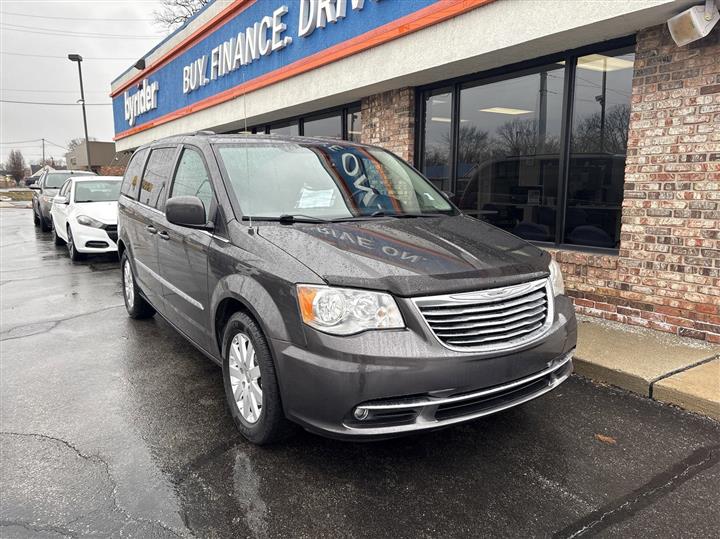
{"x": 337, "y": 287}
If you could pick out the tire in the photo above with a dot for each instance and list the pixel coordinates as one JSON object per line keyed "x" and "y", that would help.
{"x": 58, "y": 240}
{"x": 270, "y": 425}
{"x": 136, "y": 305}
{"x": 36, "y": 219}
{"x": 75, "y": 256}
{"x": 44, "y": 226}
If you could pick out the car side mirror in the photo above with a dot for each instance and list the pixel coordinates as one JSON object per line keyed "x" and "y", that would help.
{"x": 186, "y": 211}
{"x": 61, "y": 200}
{"x": 448, "y": 195}
{"x": 34, "y": 187}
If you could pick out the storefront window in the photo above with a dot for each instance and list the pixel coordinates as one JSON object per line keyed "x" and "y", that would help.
{"x": 508, "y": 152}
{"x": 437, "y": 138}
{"x": 601, "y": 114}
{"x": 286, "y": 129}
{"x": 518, "y": 154}
{"x": 354, "y": 125}
{"x": 323, "y": 126}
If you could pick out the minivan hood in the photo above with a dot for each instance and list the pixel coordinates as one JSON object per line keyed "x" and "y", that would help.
{"x": 410, "y": 257}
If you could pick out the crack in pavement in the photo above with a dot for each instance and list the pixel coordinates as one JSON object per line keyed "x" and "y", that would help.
{"x": 37, "y": 529}
{"x": 658, "y": 487}
{"x": 48, "y": 325}
{"x": 113, "y": 492}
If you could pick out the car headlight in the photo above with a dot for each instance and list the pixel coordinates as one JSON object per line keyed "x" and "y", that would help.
{"x": 344, "y": 311}
{"x": 556, "y": 278}
{"x": 89, "y": 221}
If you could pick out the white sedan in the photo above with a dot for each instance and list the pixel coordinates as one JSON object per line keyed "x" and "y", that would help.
{"x": 84, "y": 215}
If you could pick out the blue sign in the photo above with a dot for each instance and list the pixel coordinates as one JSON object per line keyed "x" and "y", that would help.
{"x": 264, "y": 37}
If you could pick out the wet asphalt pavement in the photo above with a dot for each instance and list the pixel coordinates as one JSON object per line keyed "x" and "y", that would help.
{"x": 115, "y": 427}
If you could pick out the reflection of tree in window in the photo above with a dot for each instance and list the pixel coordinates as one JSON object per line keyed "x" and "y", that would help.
{"x": 191, "y": 179}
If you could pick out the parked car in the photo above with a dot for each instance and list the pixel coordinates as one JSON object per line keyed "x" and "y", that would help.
{"x": 337, "y": 288}
{"x": 45, "y": 190}
{"x": 84, "y": 215}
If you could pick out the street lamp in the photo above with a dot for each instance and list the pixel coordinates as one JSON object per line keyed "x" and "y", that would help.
{"x": 77, "y": 58}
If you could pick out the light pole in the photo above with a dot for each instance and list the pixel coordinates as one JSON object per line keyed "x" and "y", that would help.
{"x": 77, "y": 58}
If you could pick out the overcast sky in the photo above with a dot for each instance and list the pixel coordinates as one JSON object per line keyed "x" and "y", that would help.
{"x": 48, "y": 30}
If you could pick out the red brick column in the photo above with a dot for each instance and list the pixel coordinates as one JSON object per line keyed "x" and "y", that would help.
{"x": 388, "y": 120}
{"x": 667, "y": 274}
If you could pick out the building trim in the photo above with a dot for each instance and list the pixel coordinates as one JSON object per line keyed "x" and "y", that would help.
{"x": 436, "y": 13}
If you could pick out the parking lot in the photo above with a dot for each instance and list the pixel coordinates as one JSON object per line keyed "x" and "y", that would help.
{"x": 118, "y": 427}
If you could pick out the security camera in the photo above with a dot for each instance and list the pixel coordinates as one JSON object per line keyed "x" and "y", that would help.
{"x": 694, "y": 23}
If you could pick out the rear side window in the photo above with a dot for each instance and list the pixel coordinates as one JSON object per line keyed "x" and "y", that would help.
{"x": 155, "y": 178}
{"x": 191, "y": 178}
{"x": 131, "y": 180}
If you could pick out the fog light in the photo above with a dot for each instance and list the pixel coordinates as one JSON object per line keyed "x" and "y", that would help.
{"x": 361, "y": 413}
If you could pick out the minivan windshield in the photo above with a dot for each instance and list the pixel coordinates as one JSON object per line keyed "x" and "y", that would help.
{"x": 97, "y": 191}
{"x": 55, "y": 180}
{"x": 326, "y": 181}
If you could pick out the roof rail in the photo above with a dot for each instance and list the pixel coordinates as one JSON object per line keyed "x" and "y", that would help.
{"x": 204, "y": 132}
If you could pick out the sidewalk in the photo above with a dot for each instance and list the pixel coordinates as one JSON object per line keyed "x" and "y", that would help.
{"x": 676, "y": 370}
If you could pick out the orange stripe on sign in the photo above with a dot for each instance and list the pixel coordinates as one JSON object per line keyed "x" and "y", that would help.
{"x": 439, "y": 12}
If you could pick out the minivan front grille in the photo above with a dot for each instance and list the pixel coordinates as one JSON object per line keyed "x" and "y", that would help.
{"x": 490, "y": 320}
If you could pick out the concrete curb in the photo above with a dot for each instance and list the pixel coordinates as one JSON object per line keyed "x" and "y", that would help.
{"x": 675, "y": 370}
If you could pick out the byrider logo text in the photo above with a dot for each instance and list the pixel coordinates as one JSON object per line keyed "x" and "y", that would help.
{"x": 263, "y": 38}
{"x": 142, "y": 101}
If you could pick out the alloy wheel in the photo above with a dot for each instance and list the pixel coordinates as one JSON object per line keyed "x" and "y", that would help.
{"x": 245, "y": 378}
{"x": 129, "y": 284}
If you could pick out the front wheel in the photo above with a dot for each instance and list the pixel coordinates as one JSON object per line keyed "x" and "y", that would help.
{"x": 58, "y": 240}
{"x": 136, "y": 305}
{"x": 75, "y": 255}
{"x": 44, "y": 225}
{"x": 250, "y": 382}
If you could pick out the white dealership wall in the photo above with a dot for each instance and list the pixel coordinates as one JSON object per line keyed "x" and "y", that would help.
{"x": 500, "y": 33}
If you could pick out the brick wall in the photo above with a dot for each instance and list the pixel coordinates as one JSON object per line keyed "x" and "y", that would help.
{"x": 388, "y": 120}
{"x": 667, "y": 274}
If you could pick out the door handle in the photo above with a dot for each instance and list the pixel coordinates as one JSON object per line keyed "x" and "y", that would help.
{"x": 151, "y": 229}
{"x": 164, "y": 235}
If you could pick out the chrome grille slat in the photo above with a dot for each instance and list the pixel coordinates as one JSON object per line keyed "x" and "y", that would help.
{"x": 433, "y": 311}
{"x": 504, "y": 328}
{"x": 495, "y": 337}
{"x": 494, "y": 319}
{"x": 459, "y": 323}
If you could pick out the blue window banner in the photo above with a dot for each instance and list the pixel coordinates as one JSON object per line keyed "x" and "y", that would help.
{"x": 262, "y": 37}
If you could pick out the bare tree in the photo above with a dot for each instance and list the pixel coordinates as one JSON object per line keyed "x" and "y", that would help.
{"x": 593, "y": 135}
{"x": 74, "y": 143}
{"x": 16, "y": 165}
{"x": 173, "y": 13}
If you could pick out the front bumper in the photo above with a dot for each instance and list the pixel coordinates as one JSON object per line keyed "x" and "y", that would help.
{"x": 93, "y": 240}
{"x": 405, "y": 381}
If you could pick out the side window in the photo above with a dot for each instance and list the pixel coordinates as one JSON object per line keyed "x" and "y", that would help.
{"x": 155, "y": 178}
{"x": 65, "y": 189}
{"x": 131, "y": 179}
{"x": 191, "y": 178}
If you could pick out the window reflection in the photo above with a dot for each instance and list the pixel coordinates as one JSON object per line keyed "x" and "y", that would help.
{"x": 323, "y": 126}
{"x": 508, "y": 152}
{"x": 287, "y": 129}
{"x": 601, "y": 115}
{"x": 354, "y": 125}
{"x": 437, "y": 138}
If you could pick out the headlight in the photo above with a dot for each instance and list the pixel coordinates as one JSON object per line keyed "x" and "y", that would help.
{"x": 89, "y": 221}
{"x": 556, "y": 278}
{"x": 344, "y": 311}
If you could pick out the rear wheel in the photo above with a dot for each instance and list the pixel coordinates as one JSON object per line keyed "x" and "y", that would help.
{"x": 136, "y": 305}
{"x": 251, "y": 386}
{"x": 75, "y": 256}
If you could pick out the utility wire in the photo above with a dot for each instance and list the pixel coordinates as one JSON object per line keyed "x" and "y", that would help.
{"x": 72, "y": 18}
{"x": 58, "y": 104}
{"x": 53, "y": 32}
{"x": 25, "y": 90}
{"x": 63, "y": 57}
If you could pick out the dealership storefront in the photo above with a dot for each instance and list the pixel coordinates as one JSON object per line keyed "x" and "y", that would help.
{"x": 578, "y": 125}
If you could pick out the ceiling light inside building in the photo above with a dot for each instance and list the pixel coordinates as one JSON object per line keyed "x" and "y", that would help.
{"x": 694, "y": 23}
{"x": 506, "y": 110}
{"x": 440, "y": 119}
{"x": 600, "y": 62}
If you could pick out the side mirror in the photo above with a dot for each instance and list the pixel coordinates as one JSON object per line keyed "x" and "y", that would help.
{"x": 186, "y": 211}
{"x": 61, "y": 200}
{"x": 448, "y": 195}
{"x": 34, "y": 186}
